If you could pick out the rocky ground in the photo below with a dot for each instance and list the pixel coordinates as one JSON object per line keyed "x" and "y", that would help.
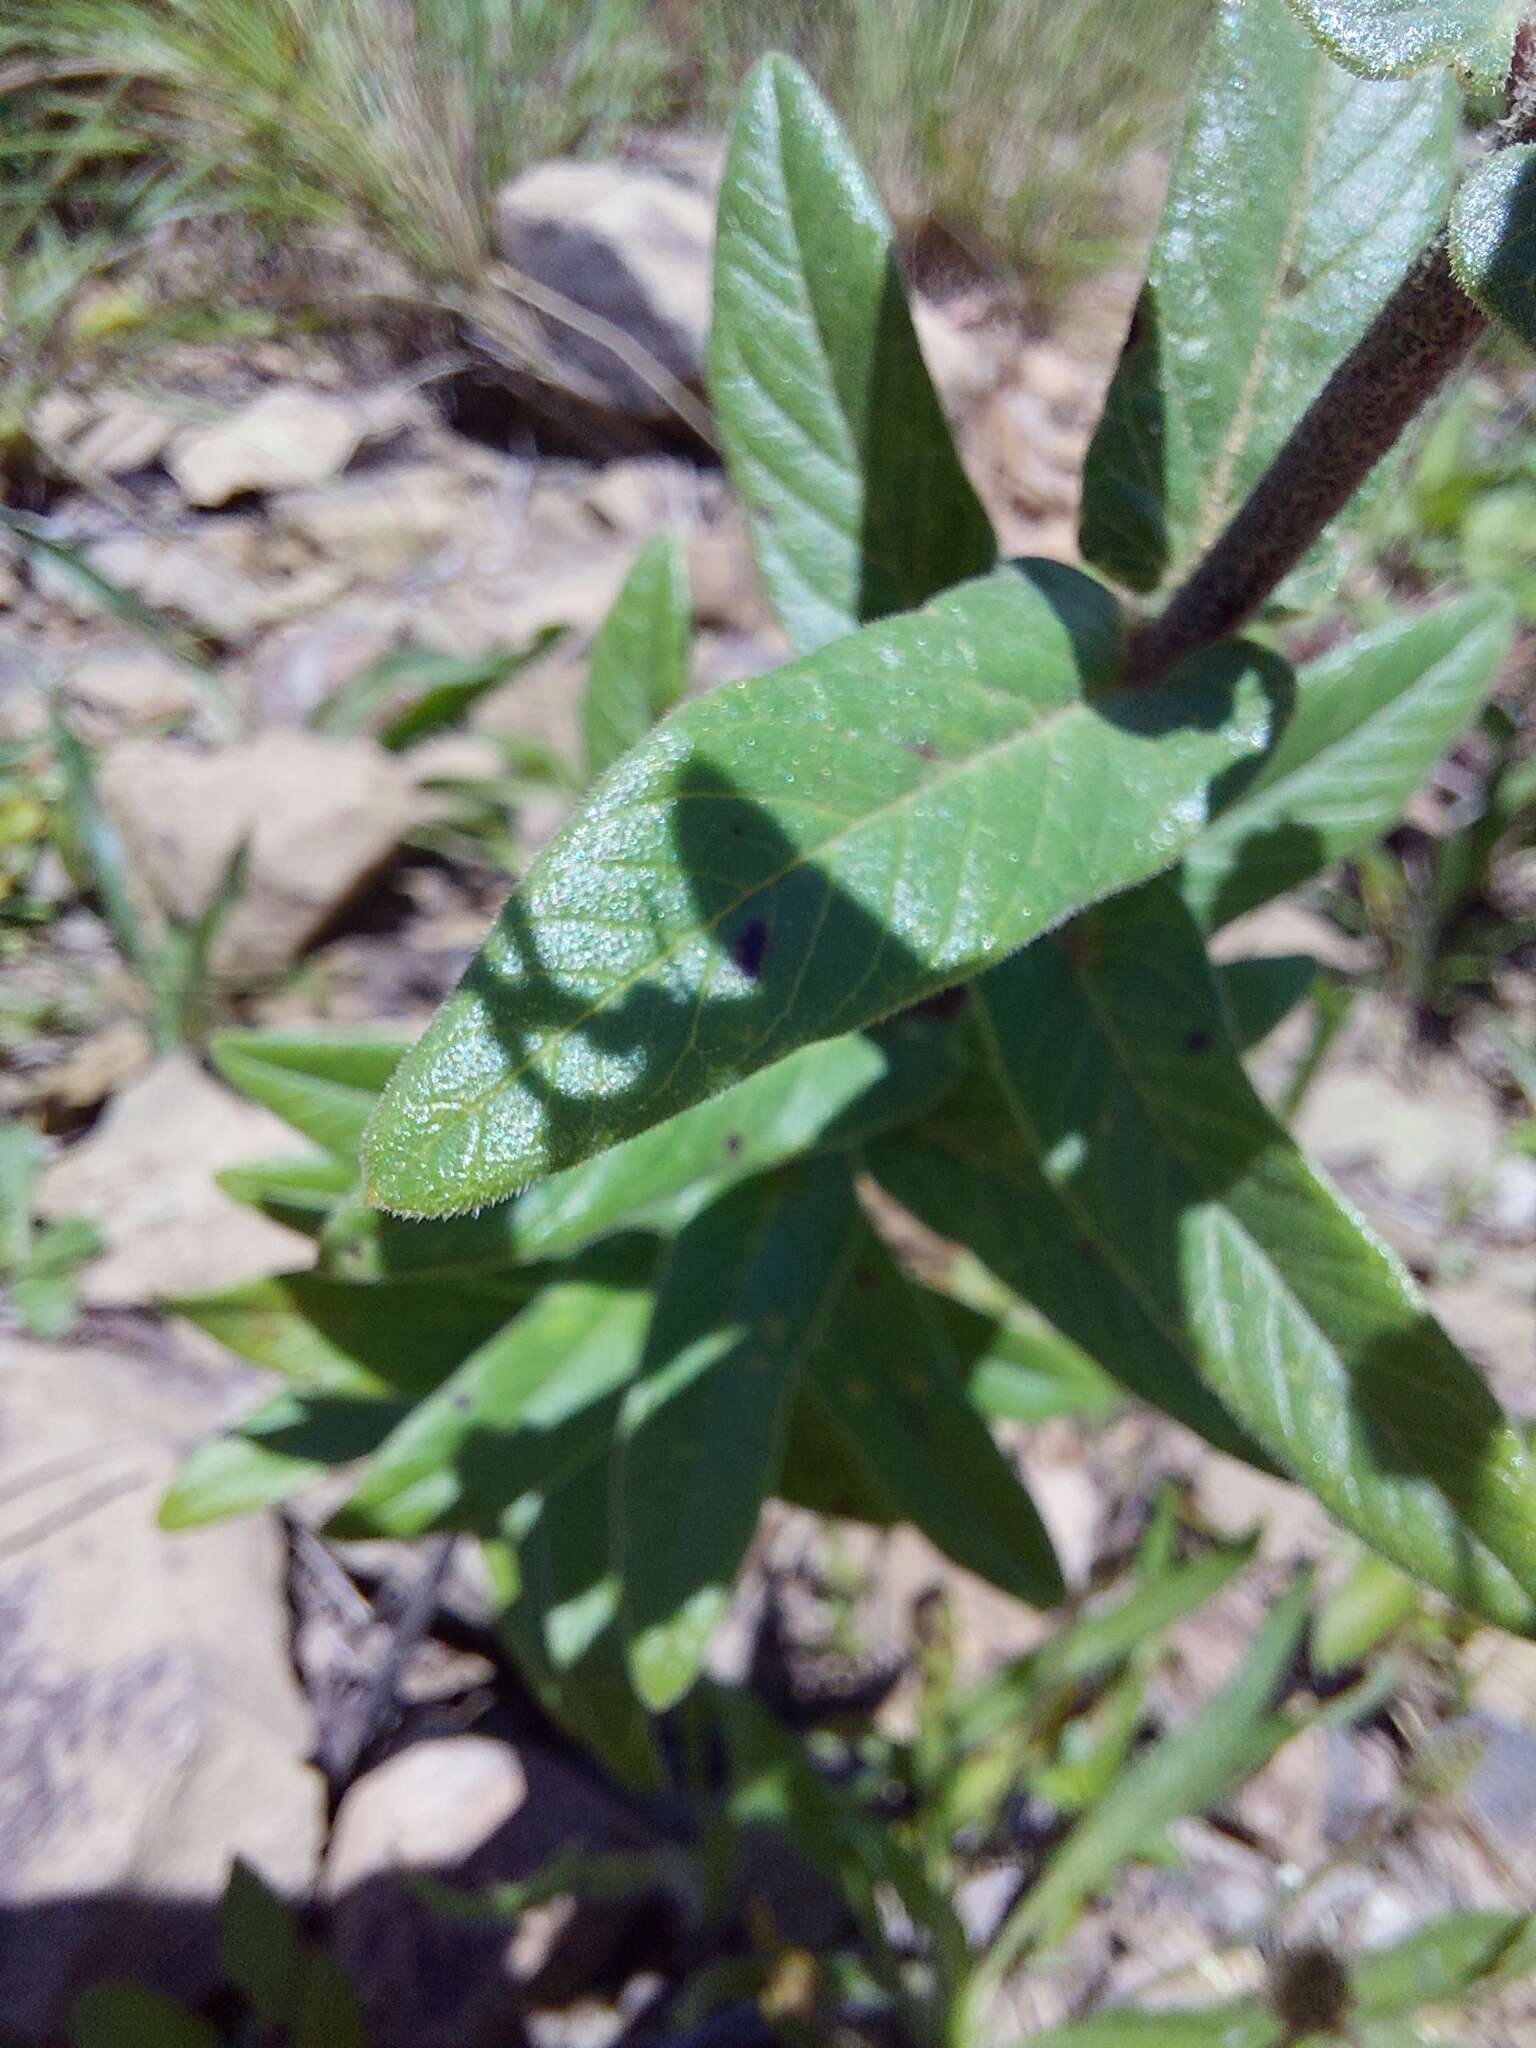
{"x": 163, "y": 1696}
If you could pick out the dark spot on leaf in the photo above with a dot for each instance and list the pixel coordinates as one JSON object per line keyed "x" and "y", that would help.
{"x": 1086, "y": 1252}
{"x": 749, "y": 947}
{"x": 459, "y": 1403}
{"x": 1294, "y": 281}
{"x": 1198, "y": 1040}
{"x": 925, "y": 750}
{"x": 733, "y": 1142}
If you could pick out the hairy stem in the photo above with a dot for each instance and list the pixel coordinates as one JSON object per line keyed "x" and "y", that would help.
{"x": 1419, "y": 337}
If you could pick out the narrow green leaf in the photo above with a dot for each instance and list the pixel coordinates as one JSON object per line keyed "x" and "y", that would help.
{"x": 1368, "y": 1605}
{"x": 326, "y": 1084}
{"x": 639, "y": 665}
{"x": 1187, "y": 1772}
{"x": 805, "y": 852}
{"x": 974, "y": 1176}
{"x": 563, "y": 1628}
{"x": 888, "y": 1385}
{"x": 285, "y": 1446}
{"x": 1261, "y": 993}
{"x": 335, "y": 1336}
{"x": 259, "y": 1945}
{"x": 1372, "y": 717}
{"x": 1393, "y": 38}
{"x": 834, "y": 435}
{"x": 742, "y": 1298}
{"x": 21, "y": 1166}
{"x": 536, "y": 1403}
{"x": 1445, "y": 1961}
{"x": 128, "y": 2016}
{"x": 1018, "y": 1374}
{"x": 299, "y": 1192}
{"x": 1097, "y": 1642}
{"x": 1298, "y": 197}
{"x": 1493, "y": 239}
{"x": 1111, "y": 1048}
{"x": 833, "y": 1095}
{"x": 417, "y": 691}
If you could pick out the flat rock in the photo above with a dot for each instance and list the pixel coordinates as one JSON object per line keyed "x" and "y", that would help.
{"x": 319, "y": 815}
{"x": 144, "y": 1177}
{"x": 150, "y": 1726}
{"x": 384, "y": 521}
{"x": 128, "y": 433}
{"x": 132, "y": 686}
{"x": 286, "y": 437}
{"x": 630, "y": 245}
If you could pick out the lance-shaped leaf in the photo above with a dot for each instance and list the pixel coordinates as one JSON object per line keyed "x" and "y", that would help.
{"x": 1393, "y": 38}
{"x": 1372, "y": 717}
{"x": 337, "y": 1337}
{"x": 536, "y": 1403}
{"x": 1450, "y": 1959}
{"x": 303, "y": 1193}
{"x": 1111, "y": 1047}
{"x": 742, "y": 1299}
{"x": 887, "y": 1383}
{"x": 564, "y": 1631}
{"x": 803, "y": 853}
{"x": 1298, "y": 197}
{"x": 1188, "y": 1772}
{"x": 326, "y": 1084}
{"x": 1493, "y": 239}
{"x": 639, "y": 665}
{"x": 285, "y": 1446}
{"x": 835, "y": 438}
{"x": 975, "y": 1175}
{"x": 837, "y": 1094}
{"x": 1260, "y": 993}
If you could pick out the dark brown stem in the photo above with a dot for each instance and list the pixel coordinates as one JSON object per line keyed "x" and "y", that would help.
{"x": 1419, "y": 337}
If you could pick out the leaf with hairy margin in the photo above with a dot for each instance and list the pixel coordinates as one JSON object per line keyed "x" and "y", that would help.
{"x": 832, "y": 430}
{"x": 1110, "y": 1048}
{"x": 1394, "y": 38}
{"x": 1298, "y": 197}
{"x": 801, "y": 854}
{"x": 829, "y": 1096}
{"x": 1493, "y": 239}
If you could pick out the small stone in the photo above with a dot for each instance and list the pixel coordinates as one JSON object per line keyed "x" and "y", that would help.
{"x": 132, "y": 686}
{"x": 319, "y": 817}
{"x": 126, "y": 435}
{"x": 145, "y": 1177}
{"x": 1510, "y": 1204}
{"x": 382, "y": 522}
{"x": 286, "y": 437}
{"x": 630, "y": 245}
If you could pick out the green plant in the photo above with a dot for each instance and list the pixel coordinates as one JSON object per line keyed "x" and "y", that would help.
{"x": 925, "y": 912}
{"x": 37, "y": 1265}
